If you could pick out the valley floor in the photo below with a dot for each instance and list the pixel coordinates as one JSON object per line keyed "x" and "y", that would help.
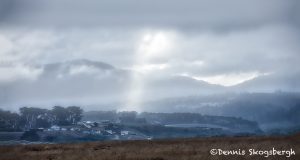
{"x": 173, "y": 149}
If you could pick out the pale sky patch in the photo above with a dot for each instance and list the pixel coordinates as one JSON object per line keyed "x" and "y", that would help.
{"x": 228, "y": 79}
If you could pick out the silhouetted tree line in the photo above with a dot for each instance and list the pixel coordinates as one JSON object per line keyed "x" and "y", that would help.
{"x": 31, "y": 117}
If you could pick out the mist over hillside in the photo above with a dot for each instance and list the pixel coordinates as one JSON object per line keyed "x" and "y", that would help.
{"x": 93, "y": 83}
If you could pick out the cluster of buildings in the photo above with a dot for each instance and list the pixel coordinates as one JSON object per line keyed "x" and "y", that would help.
{"x": 103, "y": 128}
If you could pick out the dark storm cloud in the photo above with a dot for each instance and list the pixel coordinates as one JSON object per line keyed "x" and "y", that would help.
{"x": 195, "y": 14}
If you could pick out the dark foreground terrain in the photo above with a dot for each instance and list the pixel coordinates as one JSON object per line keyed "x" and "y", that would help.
{"x": 175, "y": 149}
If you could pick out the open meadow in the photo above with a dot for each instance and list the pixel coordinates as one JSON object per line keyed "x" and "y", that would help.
{"x": 173, "y": 149}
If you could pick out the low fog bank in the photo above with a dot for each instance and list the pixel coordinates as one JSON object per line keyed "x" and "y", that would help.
{"x": 270, "y": 110}
{"x": 278, "y": 110}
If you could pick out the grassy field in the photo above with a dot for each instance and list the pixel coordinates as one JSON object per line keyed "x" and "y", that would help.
{"x": 175, "y": 149}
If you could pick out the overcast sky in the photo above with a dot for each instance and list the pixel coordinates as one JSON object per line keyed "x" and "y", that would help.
{"x": 220, "y": 42}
